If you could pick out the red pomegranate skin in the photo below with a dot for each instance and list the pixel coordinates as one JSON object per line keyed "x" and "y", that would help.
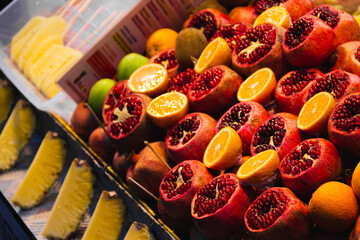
{"x": 256, "y": 116}
{"x": 171, "y": 64}
{"x": 355, "y": 233}
{"x": 354, "y": 61}
{"x": 179, "y": 206}
{"x": 293, "y": 223}
{"x": 196, "y": 146}
{"x": 343, "y": 57}
{"x": 229, "y": 219}
{"x": 327, "y": 166}
{"x": 294, "y": 101}
{"x": 348, "y": 141}
{"x": 243, "y": 14}
{"x": 291, "y": 138}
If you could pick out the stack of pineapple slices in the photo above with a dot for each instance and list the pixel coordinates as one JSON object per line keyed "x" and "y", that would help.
{"x": 39, "y": 51}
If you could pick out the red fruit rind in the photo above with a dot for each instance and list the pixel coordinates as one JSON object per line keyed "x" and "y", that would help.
{"x": 310, "y": 164}
{"x": 243, "y": 14}
{"x": 354, "y": 60}
{"x": 168, "y": 60}
{"x": 292, "y": 222}
{"x": 244, "y": 117}
{"x": 195, "y": 144}
{"x": 228, "y": 219}
{"x": 344, "y": 58}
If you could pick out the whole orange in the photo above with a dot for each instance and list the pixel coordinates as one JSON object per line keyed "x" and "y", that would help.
{"x": 161, "y": 39}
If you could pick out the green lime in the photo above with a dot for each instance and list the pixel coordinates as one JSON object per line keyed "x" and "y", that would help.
{"x": 129, "y": 64}
{"x": 98, "y": 93}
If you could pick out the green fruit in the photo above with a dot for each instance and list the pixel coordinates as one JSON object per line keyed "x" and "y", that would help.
{"x": 98, "y": 93}
{"x": 129, "y": 64}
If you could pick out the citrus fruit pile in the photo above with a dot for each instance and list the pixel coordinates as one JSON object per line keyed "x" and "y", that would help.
{"x": 255, "y": 111}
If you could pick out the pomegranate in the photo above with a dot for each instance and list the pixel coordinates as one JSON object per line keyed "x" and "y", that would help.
{"x": 117, "y": 92}
{"x": 345, "y": 57}
{"x": 179, "y": 186}
{"x": 295, "y": 8}
{"x": 214, "y": 90}
{"x": 278, "y": 214}
{"x": 355, "y": 233}
{"x": 244, "y": 117}
{"x": 209, "y": 20}
{"x": 259, "y": 47}
{"x": 354, "y": 61}
{"x": 83, "y": 121}
{"x": 230, "y": 31}
{"x": 339, "y": 83}
{"x": 278, "y": 132}
{"x": 120, "y": 164}
{"x": 344, "y": 124}
{"x": 308, "y": 42}
{"x": 243, "y": 14}
{"x": 168, "y": 60}
{"x": 102, "y": 145}
{"x": 310, "y": 164}
{"x": 182, "y": 81}
{"x": 345, "y": 26}
{"x": 189, "y": 138}
{"x": 291, "y": 88}
{"x": 218, "y": 208}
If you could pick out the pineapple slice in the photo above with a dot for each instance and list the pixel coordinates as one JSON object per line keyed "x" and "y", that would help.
{"x": 43, "y": 172}
{"x": 108, "y": 218}
{"x": 6, "y": 99}
{"x": 55, "y": 25}
{"x": 72, "y": 202}
{"x": 24, "y": 35}
{"x": 139, "y": 231}
{"x": 16, "y": 134}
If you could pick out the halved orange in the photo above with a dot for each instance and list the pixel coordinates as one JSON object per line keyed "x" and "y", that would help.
{"x": 277, "y": 15}
{"x": 217, "y": 52}
{"x": 151, "y": 79}
{"x": 168, "y": 108}
{"x": 315, "y": 113}
{"x": 259, "y": 167}
{"x": 224, "y": 150}
{"x": 258, "y": 87}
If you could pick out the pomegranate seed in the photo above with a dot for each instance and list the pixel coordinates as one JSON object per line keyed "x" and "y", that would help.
{"x": 178, "y": 181}
{"x": 297, "y": 81}
{"x": 206, "y": 21}
{"x": 324, "y": 13}
{"x": 184, "y": 131}
{"x": 263, "y": 5}
{"x": 167, "y": 59}
{"x": 237, "y": 117}
{"x": 182, "y": 81}
{"x": 357, "y": 54}
{"x": 346, "y": 116}
{"x": 229, "y": 32}
{"x": 206, "y": 81}
{"x": 298, "y": 32}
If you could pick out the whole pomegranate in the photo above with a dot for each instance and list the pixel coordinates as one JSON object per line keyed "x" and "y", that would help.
{"x": 83, "y": 121}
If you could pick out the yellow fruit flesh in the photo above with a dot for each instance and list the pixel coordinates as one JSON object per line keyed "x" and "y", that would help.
{"x": 16, "y": 134}
{"x": 72, "y": 202}
{"x": 108, "y": 218}
{"x": 42, "y": 173}
{"x": 6, "y": 100}
{"x": 139, "y": 231}
{"x": 277, "y": 15}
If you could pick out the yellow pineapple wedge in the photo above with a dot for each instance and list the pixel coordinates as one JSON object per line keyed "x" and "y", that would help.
{"x": 72, "y": 202}
{"x": 16, "y": 134}
{"x": 44, "y": 170}
{"x": 139, "y": 231}
{"x": 54, "y": 25}
{"x": 6, "y": 99}
{"x": 108, "y": 219}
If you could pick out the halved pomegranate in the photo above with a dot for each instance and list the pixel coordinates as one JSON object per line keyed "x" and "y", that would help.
{"x": 189, "y": 137}
{"x": 244, "y": 117}
{"x": 310, "y": 164}
{"x": 209, "y": 20}
{"x": 182, "y": 81}
{"x": 278, "y": 132}
{"x": 346, "y": 57}
{"x": 214, "y": 90}
{"x": 168, "y": 60}
{"x": 230, "y": 31}
{"x": 259, "y": 47}
{"x": 344, "y": 124}
{"x": 278, "y": 214}
{"x": 218, "y": 208}
{"x": 291, "y": 88}
{"x": 308, "y": 42}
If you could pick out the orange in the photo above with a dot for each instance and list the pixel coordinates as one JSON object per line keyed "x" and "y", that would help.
{"x": 245, "y": 158}
{"x": 161, "y": 39}
{"x": 333, "y": 207}
{"x": 224, "y": 150}
{"x": 217, "y": 52}
{"x": 314, "y": 115}
{"x": 151, "y": 79}
{"x": 259, "y": 167}
{"x": 355, "y": 180}
{"x": 168, "y": 108}
{"x": 277, "y": 15}
{"x": 258, "y": 87}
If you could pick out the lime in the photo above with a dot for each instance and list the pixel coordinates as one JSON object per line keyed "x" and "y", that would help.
{"x": 129, "y": 64}
{"x": 98, "y": 93}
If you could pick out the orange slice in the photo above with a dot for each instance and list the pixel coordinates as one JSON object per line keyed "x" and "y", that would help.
{"x": 217, "y": 52}
{"x": 224, "y": 150}
{"x": 277, "y": 15}
{"x": 168, "y": 108}
{"x": 151, "y": 79}
{"x": 315, "y": 113}
{"x": 259, "y": 167}
{"x": 258, "y": 87}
